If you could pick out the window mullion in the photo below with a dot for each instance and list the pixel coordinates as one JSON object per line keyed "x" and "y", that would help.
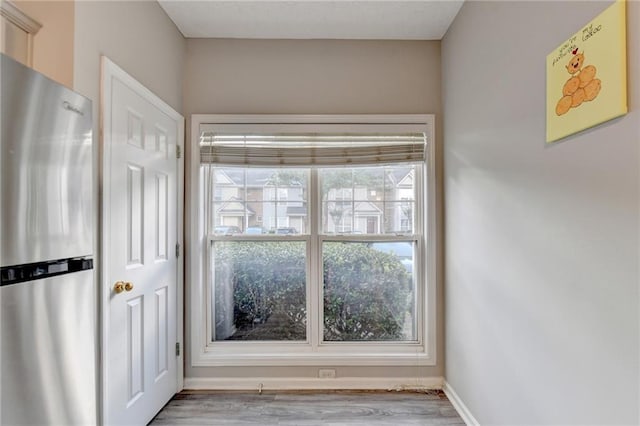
{"x": 420, "y": 227}
{"x": 353, "y": 203}
{"x": 314, "y": 294}
{"x": 245, "y": 214}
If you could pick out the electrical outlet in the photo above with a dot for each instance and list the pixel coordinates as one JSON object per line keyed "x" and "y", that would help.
{"x": 327, "y": 373}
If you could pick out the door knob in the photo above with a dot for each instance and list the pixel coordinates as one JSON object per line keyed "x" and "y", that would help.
{"x": 128, "y": 286}
{"x": 119, "y": 287}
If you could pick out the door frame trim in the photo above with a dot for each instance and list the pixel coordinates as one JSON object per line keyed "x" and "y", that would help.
{"x": 110, "y": 71}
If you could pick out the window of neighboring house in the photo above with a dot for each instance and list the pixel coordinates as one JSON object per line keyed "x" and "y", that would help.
{"x": 340, "y": 269}
{"x": 406, "y": 209}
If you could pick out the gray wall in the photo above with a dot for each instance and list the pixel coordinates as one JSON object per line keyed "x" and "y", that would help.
{"x": 225, "y": 76}
{"x": 231, "y": 76}
{"x": 136, "y": 35}
{"x": 541, "y": 240}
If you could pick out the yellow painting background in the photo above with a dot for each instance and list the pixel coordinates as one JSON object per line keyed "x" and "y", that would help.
{"x": 606, "y": 50}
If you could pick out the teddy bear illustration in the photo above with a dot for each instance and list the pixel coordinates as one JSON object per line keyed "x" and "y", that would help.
{"x": 581, "y": 87}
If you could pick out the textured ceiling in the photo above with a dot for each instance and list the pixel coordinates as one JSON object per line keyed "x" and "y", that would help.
{"x": 312, "y": 19}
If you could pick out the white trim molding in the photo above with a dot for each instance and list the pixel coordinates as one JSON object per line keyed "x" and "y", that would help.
{"x": 460, "y": 406}
{"x": 313, "y": 383}
{"x": 18, "y": 18}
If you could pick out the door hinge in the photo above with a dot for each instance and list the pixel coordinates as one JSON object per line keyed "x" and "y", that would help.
{"x": 177, "y": 348}
{"x": 177, "y": 250}
{"x": 178, "y": 151}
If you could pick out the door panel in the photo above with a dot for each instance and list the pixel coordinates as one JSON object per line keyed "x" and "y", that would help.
{"x": 135, "y": 214}
{"x": 162, "y": 333}
{"x": 135, "y": 136}
{"x": 140, "y": 216}
{"x": 161, "y": 141}
{"x": 161, "y": 214}
{"x": 135, "y": 346}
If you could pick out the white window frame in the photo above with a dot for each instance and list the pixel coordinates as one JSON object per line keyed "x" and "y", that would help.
{"x": 312, "y": 352}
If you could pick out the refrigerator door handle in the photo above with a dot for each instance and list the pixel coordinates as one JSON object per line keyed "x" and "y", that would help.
{"x": 35, "y": 271}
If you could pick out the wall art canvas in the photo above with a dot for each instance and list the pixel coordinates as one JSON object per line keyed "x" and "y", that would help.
{"x": 587, "y": 75}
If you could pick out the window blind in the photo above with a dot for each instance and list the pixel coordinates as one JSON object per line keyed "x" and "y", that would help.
{"x": 311, "y": 149}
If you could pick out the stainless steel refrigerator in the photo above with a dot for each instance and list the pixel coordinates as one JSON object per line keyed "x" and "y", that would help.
{"x": 47, "y": 294}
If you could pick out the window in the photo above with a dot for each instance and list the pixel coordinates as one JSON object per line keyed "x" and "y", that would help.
{"x": 328, "y": 260}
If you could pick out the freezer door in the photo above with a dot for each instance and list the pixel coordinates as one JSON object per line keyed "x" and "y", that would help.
{"x": 46, "y": 165}
{"x": 48, "y": 364}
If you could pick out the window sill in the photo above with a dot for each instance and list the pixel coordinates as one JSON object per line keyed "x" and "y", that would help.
{"x": 218, "y": 359}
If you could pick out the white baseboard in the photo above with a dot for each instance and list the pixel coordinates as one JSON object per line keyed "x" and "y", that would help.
{"x": 460, "y": 407}
{"x": 310, "y": 383}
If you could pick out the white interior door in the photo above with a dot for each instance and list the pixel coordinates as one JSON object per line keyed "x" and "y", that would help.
{"x": 140, "y": 265}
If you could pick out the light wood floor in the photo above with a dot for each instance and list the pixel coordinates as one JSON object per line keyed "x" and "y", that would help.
{"x": 309, "y": 408}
